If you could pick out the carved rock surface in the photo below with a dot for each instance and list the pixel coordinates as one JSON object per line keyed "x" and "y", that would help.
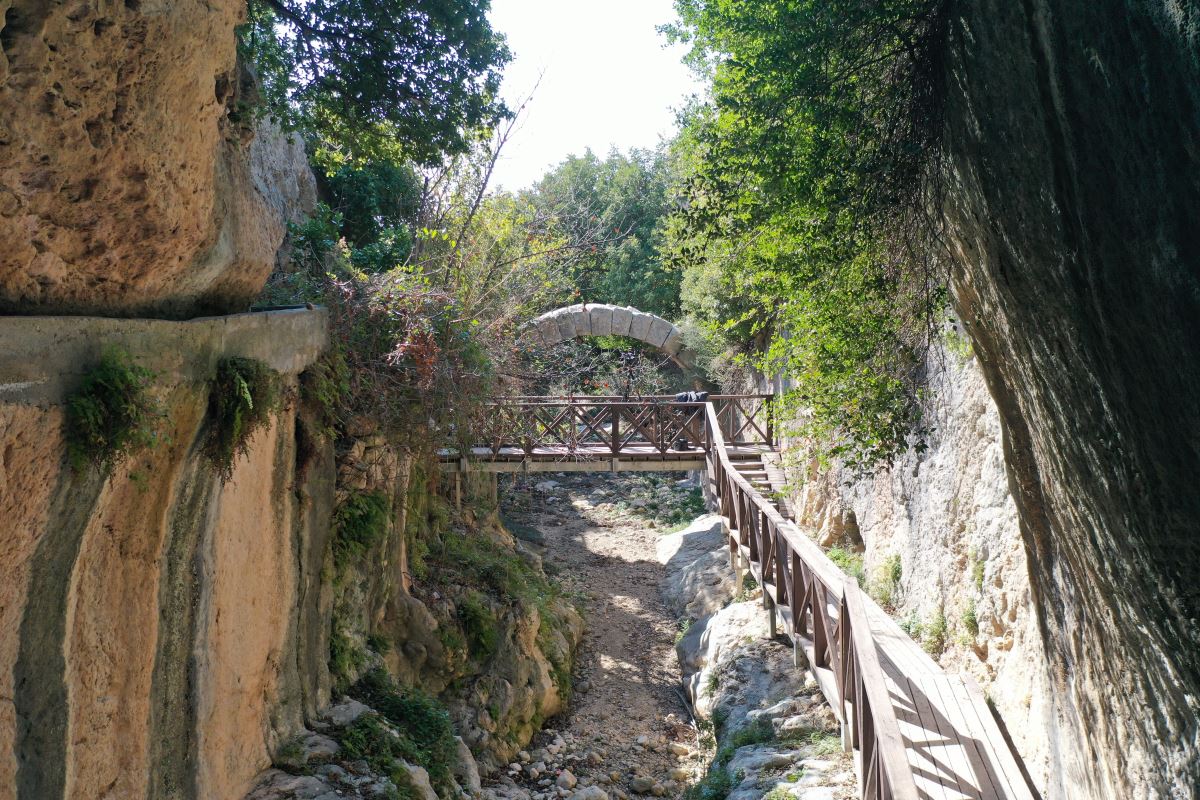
{"x": 126, "y": 187}
{"x": 1075, "y": 191}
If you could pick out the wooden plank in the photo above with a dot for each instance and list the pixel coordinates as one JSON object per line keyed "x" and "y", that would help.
{"x": 1005, "y": 761}
{"x": 920, "y": 733}
{"x": 957, "y": 769}
{"x": 892, "y": 756}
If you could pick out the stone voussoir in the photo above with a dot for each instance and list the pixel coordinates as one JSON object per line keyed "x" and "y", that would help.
{"x": 660, "y": 329}
{"x": 600, "y": 319}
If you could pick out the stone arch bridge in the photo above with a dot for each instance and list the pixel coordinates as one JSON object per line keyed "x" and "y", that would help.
{"x": 602, "y": 319}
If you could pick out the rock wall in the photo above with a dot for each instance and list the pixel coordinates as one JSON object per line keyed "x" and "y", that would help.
{"x": 412, "y": 605}
{"x": 132, "y": 182}
{"x": 946, "y": 518}
{"x": 156, "y": 634}
{"x": 1074, "y": 191}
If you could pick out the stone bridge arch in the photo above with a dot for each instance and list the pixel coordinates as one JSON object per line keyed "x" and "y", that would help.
{"x": 602, "y": 319}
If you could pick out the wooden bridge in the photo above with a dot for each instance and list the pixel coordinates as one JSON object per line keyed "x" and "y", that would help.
{"x": 917, "y": 732}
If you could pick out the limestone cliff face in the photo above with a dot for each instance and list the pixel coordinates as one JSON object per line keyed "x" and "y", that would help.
{"x": 947, "y": 516}
{"x": 156, "y": 625}
{"x": 419, "y": 628}
{"x": 1076, "y": 188}
{"x": 128, "y": 185}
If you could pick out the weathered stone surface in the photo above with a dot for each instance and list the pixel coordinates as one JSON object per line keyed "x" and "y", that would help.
{"x": 660, "y": 329}
{"x": 673, "y": 343}
{"x": 583, "y": 320}
{"x": 1072, "y": 228}
{"x": 564, "y": 321}
{"x": 600, "y": 320}
{"x": 622, "y": 319}
{"x": 125, "y": 187}
{"x": 698, "y": 579}
{"x": 639, "y": 328}
{"x": 948, "y": 516}
{"x": 153, "y": 631}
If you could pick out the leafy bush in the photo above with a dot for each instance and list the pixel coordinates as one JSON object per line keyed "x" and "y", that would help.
{"x": 887, "y": 587}
{"x": 970, "y": 618}
{"x": 359, "y": 523}
{"x": 479, "y": 622}
{"x": 850, "y": 563}
{"x": 324, "y": 386}
{"x": 935, "y": 634}
{"x": 426, "y": 737}
{"x": 346, "y": 658}
{"x": 111, "y": 414}
{"x": 241, "y": 399}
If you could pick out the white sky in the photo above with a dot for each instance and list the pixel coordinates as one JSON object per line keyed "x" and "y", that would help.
{"x": 606, "y": 79}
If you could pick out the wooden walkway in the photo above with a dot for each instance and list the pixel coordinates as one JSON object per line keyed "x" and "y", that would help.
{"x": 917, "y": 732}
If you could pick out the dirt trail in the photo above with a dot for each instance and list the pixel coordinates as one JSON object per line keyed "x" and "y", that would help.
{"x": 627, "y": 731}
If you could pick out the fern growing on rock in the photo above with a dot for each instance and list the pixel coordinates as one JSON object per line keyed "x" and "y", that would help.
{"x": 244, "y": 393}
{"x": 112, "y": 413}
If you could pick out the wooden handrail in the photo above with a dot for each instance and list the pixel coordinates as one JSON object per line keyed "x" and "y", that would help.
{"x": 887, "y": 764}
{"x": 857, "y": 671}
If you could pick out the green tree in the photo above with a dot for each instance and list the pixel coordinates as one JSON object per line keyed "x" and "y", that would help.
{"x": 370, "y": 77}
{"x": 808, "y": 181}
{"x": 627, "y": 197}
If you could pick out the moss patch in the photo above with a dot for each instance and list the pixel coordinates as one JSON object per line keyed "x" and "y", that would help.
{"x": 359, "y": 523}
{"x": 421, "y": 735}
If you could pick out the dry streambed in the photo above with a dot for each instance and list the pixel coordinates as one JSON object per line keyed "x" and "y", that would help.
{"x": 662, "y": 626}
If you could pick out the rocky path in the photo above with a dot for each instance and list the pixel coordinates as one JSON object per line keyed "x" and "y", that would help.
{"x": 628, "y": 730}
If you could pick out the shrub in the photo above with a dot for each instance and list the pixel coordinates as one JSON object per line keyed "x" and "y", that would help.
{"x": 479, "y": 623}
{"x": 345, "y": 658}
{"x": 977, "y": 566}
{"x": 240, "y": 401}
{"x": 359, "y": 523}
{"x": 970, "y": 618}
{"x": 425, "y": 735}
{"x": 850, "y": 563}
{"x": 887, "y": 587}
{"x": 935, "y": 634}
{"x": 111, "y": 414}
{"x": 324, "y": 386}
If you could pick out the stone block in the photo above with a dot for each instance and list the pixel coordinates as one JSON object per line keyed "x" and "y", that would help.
{"x": 639, "y": 328}
{"x": 600, "y": 319}
{"x": 660, "y": 329}
{"x": 622, "y": 319}
{"x": 674, "y": 342}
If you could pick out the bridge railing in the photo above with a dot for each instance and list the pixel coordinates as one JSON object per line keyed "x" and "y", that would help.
{"x": 818, "y": 603}
{"x": 745, "y": 419}
{"x": 594, "y": 427}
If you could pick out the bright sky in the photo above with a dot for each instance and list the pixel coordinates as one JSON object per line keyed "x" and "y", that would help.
{"x": 606, "y": 79}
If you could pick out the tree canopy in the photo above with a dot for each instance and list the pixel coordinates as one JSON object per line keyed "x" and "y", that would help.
{"x": 369, "y": 76}
{"x": 805, "y": 227}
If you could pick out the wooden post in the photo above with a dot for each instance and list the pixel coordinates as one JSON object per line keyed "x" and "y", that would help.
{"x": 772, "y": 620}
{"x": 458, "y": 491}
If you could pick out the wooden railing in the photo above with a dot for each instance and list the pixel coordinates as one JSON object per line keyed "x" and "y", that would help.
{"x": 608, "y": 426}
{"x": 531, "y": 421}
{"x": 819, "y": 604}
{"x": 603, "y": 428}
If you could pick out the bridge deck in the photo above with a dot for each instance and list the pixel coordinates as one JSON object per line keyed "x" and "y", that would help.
{"x": 594, "y": 458}
{"x": 918, "y": 733}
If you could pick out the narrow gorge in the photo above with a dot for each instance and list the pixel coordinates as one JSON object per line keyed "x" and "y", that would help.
{"x": 365, "y": 434}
